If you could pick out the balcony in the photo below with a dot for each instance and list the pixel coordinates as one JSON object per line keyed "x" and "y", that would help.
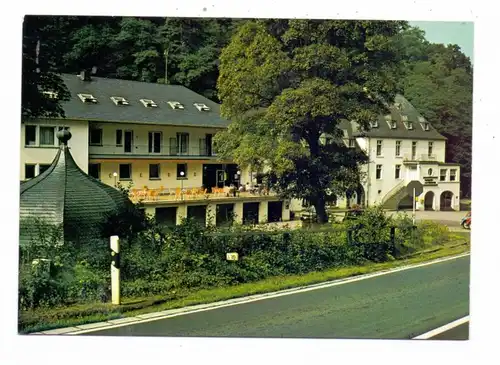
{"x": 419, "y": 158}
{"x": 144, "y": 151}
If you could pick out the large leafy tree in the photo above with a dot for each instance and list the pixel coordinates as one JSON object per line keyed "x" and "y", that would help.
{"x": 438, "y": 82}
{"x": 287, "y": 84}
{"x": 41, "y": 56}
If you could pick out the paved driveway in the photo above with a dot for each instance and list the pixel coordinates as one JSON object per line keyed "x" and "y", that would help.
{"x": 451, "y": 219}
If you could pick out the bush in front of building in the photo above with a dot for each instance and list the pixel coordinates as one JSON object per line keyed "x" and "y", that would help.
{"x": 161, "y": 261}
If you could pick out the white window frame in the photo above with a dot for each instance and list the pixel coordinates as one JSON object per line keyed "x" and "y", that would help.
{"x": 40, "y": 135}
{"x": 379, "y": 148}
{"x": 398, "y": 148}
{"x": 396, "y": 170}
{"x": 441, "y": 174}
{"x": 455, "y": 174}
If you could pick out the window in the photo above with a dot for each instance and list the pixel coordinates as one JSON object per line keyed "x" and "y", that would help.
{"x": 442, "y": 175}
{"x": 119, "y": 100}
{"x": 95, "y": 137}
{"x": 429, "y": 172}
{"x": 29, "y": 171}
{"x": 374, "y": 124}
{"x": 182, "y": 143}
{"x": 413, "y": 150}
{"x": 148, "y": 103}
{"x": 398, "y": 172}
{"x": 154, "y": 171}
{"x": 201, "y": 107}
{"x": 125, "y": 171}
{"x": 43, "y": 168}
{"x": 46, "y": 136}
{"x": 176, "y": 105}
{"x": 429, "y": 149}
{"x": 352, "y": 142}
{"x": 119, "y": 137}
{"x": 379, "y": 172}
{"x": 30, "y": 135}
{"x": 398, "y": 148}
{"x": 453, "y": 175}
{"x": 154, "y": 142}
{"x": 95, "y": 170}
{"x": 379, "y": 147}
{"x": 87, "y": 98}
{"x": 182, "y": 171}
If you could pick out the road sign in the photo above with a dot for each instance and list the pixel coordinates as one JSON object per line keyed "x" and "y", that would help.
{"x": 417, "y": 185}
{"x": 232, "y": 256}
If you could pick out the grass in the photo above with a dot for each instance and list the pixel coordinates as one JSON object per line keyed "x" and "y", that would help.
{"x": 46, "y": 319}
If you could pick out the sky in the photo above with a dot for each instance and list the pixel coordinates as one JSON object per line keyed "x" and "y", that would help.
{"x": 460, "y": 33}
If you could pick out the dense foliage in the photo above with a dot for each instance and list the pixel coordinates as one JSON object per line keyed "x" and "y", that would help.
{"x": 159, "y": 261}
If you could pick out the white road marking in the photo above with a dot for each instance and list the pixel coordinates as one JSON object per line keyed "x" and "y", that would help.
{"x": 254, "y": 298}
{"x": 446, "y": 327}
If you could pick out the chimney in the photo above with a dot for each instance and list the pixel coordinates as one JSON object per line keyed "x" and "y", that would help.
{"x": 84, "y": 75}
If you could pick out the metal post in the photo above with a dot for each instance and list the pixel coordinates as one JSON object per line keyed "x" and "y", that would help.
{"x": 414, "y": 205}
{"x": 115, "y": 269}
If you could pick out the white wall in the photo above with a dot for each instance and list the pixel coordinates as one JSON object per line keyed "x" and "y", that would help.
{"x": 37, "y": 154}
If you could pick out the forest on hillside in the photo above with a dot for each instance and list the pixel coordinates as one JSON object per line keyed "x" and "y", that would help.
{"x": 435, "y": 78}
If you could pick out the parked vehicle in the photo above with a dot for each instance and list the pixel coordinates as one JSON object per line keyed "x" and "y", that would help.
{"x": 466, "y": 220}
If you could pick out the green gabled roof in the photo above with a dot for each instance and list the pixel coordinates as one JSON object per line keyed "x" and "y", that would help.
{"x": 406, "y": 108}
{"x": 105, "y": 110}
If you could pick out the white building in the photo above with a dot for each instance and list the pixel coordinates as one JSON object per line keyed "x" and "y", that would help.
{"x": 404, "y": 147}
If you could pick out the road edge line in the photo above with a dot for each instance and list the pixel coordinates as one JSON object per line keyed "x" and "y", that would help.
{"x": 241, "y": 300}
{"x": 439, "y": 330}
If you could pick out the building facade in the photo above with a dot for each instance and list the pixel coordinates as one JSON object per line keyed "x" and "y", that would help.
{"x": 155, "y": 139}
{"x": 158, "y": 140}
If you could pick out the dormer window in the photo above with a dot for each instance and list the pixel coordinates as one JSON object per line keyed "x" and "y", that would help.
{"x": 374, "y": 124}
{"x": 201, "y": 107}
{"x": 409, "y": 125}
{"x": 426, "y": 126}
{"x": 50, "y": 94}
{"x": 393, "y": 124}
{"x": 148, "y": 103}
{"x": 118, "y": 100}
{"x": 176, "y": 105}
{"x": 87, "y": 98}
{"x": 404, "y": 118}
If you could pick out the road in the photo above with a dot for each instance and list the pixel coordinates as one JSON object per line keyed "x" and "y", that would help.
{"x": 399, "y": 305}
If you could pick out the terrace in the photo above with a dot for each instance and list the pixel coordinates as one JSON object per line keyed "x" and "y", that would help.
{"x": 177, "y": 195}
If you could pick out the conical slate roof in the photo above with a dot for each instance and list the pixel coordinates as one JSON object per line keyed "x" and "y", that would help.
{"x": 64, "y": 194}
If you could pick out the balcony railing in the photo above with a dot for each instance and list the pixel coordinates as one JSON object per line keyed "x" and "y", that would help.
{"x": 151, "y": 151}
{"x": 187, "y": 194}
{"x": 421, "y": 157}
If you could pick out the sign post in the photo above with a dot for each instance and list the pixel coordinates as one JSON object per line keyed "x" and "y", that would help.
{"x": 414, "y": 188}
{"x": 115, "y": 269}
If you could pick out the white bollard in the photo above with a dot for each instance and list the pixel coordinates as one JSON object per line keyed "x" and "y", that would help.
{"x": 115, "y": 269}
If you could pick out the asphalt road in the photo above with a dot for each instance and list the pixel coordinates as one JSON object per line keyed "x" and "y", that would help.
{"x": 455, "y": 334}
{"x": 399, "y": 305}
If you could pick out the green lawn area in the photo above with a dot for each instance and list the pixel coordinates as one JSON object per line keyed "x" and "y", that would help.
{"x": 45, "y": 319}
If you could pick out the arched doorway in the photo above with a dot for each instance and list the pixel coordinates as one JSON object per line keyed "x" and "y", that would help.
{"x": 446, "y": 200}
{"x": 429, "y": 201}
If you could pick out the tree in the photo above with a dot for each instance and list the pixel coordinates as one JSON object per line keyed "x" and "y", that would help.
{"x": 439, "y": 85}
{"x": 39, "y": 69}
{"x": 193, "y": 47}
{"x": 287, "y": 84}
